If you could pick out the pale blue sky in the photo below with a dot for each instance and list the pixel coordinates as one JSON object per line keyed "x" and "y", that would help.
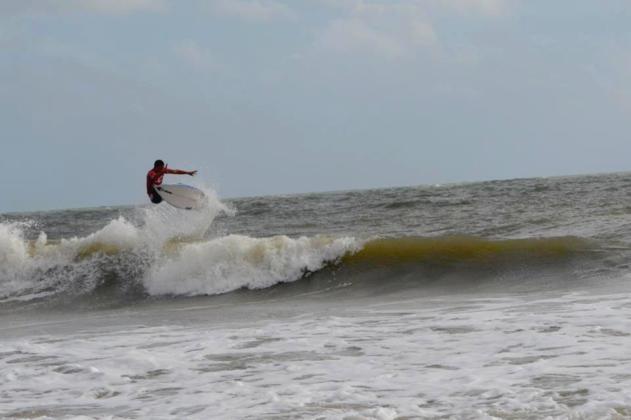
{"x": 273, "y": 96}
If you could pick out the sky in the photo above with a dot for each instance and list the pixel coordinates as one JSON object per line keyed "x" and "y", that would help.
{"x": 278, "y": 96}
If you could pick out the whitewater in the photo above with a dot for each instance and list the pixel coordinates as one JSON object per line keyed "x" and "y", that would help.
{"x": 500, "y": 299}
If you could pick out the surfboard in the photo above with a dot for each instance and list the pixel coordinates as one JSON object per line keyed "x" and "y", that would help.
{"x": 182, "y": 196}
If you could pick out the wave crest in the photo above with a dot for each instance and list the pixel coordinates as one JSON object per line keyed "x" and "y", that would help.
{"x": 464, "y": 249}
{"x": 168, "y": 255}
{"x": 233, "y": 262}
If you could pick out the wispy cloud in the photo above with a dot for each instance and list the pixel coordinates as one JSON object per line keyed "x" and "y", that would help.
{"x": 391, "y": 30}
{"x": 396, "y": 29}
{"x": 355, "y": 34}
{"x": 107, "y": 7}
{"x": 252, "y": 10}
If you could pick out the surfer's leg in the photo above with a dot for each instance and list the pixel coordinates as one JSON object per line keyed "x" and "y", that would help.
{"x": 155, "y": 198}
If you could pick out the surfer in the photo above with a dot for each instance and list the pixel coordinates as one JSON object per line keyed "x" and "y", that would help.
{"x": 154, "y": 178}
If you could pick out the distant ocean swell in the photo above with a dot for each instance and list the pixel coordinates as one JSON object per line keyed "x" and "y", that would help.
{"x": 122, "y": 263}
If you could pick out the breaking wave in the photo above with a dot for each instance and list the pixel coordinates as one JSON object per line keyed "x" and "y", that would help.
{"x": 166, "y": 254}
{"x": 118, "y": 263}
{"x": 170, "y": 255}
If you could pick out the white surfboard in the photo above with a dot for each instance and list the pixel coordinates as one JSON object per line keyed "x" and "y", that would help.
{"x": 182, "y": 196}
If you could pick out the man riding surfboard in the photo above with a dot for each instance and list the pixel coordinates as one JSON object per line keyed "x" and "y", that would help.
{"x": 154, "y": 179}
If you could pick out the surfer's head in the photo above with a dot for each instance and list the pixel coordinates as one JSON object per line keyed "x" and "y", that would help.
{"x": 158, "y": 164}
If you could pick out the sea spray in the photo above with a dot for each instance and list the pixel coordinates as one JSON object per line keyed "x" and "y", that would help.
{"x": 162, "y": 223}
{"x": 14, "y": 256}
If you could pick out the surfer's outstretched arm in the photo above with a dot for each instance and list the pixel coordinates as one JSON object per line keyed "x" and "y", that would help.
{"x": 180, "y": 172}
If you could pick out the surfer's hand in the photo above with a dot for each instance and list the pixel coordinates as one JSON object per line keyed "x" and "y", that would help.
{"x": 192, "y": 173}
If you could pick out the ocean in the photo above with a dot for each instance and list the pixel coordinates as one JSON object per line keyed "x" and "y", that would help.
{"x": 490, "y": 300}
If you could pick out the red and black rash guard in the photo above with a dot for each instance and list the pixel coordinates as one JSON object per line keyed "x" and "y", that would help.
{"x": 154, "y": 178}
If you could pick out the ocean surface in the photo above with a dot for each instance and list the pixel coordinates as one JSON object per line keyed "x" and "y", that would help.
{"x": 503, "y": 299}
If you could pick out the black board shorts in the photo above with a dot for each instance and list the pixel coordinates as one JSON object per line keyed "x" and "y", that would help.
{"x": 155, "y": 197}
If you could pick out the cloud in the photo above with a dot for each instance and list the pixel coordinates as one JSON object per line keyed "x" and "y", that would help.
{"x": 195, "y": 56}
{"x": 389, "y": 30}
{"x": 106, "y": 7}
{"x": 396, "y": 29}
{"x": 353, "y": 34}
{"x": 252, "y": 10}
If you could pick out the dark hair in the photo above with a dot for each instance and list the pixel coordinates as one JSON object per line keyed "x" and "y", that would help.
{"x": 158, "y": 162}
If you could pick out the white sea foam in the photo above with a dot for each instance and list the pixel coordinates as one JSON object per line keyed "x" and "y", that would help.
{"x": 14, "y": 256}
{"x": 163, "y": 222}
{"x": 466, "y": 357}
{"x": 232, "y": 262}
{"x": 13, "y": 247}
